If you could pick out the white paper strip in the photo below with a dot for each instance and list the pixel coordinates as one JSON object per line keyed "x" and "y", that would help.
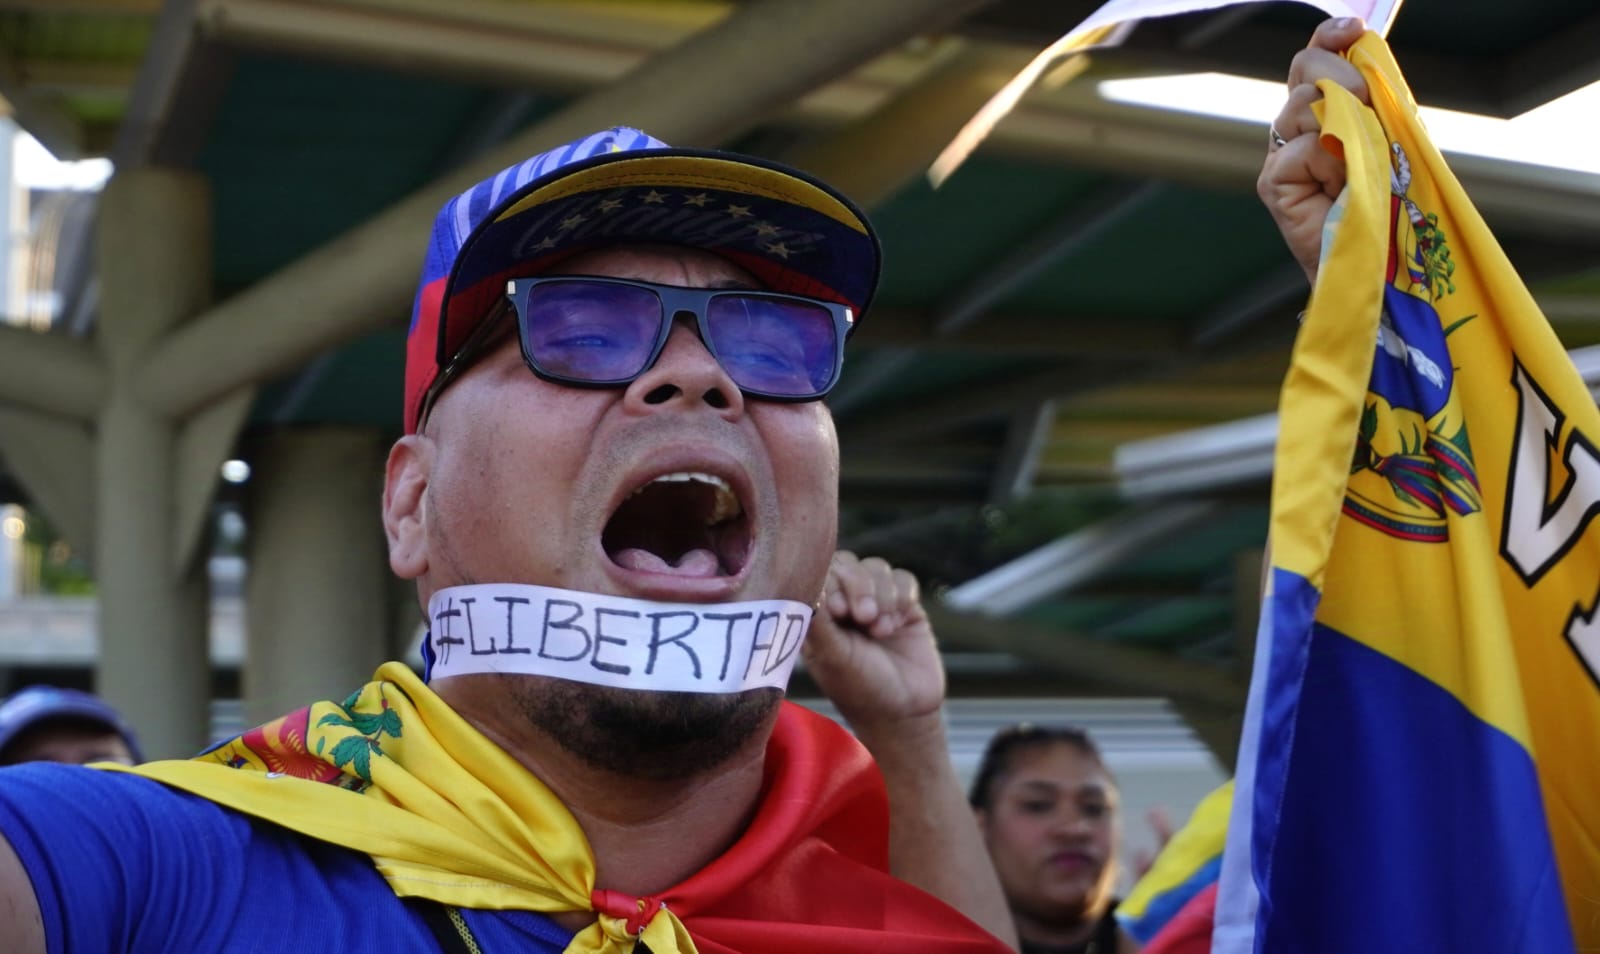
{"x": 1099, "y": 30}
{"x": 613, "y": 640}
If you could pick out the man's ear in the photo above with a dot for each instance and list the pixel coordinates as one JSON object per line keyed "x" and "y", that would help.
{"x": 405, "y": 506}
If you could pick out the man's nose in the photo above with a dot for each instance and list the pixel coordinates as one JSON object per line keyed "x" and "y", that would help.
{"x": 686, "y": 373}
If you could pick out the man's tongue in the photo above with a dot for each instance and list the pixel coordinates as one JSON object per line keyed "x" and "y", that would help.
{"x": 699, "y": 563}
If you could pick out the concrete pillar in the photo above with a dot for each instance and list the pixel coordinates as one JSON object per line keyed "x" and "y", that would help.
{"x": 318, "y": 591}
{"x": 154, "y": 259}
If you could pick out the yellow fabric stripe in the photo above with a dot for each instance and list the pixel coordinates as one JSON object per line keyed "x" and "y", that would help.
{"x": 1317, "y": 419}
{"x": 448, "y": 815}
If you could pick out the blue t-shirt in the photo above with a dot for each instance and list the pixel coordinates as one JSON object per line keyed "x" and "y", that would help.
{"x": 124, "y": 864}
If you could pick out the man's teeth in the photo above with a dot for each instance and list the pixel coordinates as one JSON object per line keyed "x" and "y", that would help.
{"x": 725, "y": 504}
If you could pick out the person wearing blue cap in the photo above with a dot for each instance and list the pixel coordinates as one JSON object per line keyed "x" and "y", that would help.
{"x": 47, "y": 724}
{"x": 617, "y": 495}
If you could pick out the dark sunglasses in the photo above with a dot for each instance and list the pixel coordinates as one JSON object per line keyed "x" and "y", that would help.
{"x": 605, "y": 332}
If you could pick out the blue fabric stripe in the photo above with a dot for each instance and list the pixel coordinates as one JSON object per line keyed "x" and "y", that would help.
{"x": 561, "y": 158}
{"x": 454, "y": 222}
{"x": 1428, "y": 820}
{"x": 1165, "y": 905}
{"x": 478, "y": 203}
{"x": 1291, "y": 609}
{"x": 499, "y": 187}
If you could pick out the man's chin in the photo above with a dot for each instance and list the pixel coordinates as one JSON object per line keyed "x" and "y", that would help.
{"x": 644, "y": 734}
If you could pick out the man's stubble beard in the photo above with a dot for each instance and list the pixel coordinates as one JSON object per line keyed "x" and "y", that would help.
{"x": 645, "y": 734}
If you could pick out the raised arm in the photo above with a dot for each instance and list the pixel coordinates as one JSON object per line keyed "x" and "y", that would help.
{"x": 1299, "y": 179}
{"x": 872, "y": 650}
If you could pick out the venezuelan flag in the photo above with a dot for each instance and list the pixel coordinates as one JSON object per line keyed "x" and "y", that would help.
{"x": 1186, "y": 866}
{"x": 1419, "y": 766}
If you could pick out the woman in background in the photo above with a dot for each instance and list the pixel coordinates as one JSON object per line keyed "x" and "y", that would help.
{"x": 1047, "y": 808}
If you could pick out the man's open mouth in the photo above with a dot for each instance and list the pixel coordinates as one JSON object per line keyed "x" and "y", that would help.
{"x": 688, "y": 523}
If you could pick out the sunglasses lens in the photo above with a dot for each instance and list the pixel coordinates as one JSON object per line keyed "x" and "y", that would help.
{"x": 774, "y": 346}
{"x": 591, "y": 331}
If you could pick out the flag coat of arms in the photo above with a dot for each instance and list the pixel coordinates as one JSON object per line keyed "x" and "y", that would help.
{"x": 1420, "y": 769}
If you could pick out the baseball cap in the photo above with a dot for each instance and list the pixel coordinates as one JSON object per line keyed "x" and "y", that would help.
{"x": 792, "y": 232}
{"x": 34, "y": 705}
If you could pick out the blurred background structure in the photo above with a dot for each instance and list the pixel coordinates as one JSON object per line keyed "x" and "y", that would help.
{"x": 1059, "y": 413}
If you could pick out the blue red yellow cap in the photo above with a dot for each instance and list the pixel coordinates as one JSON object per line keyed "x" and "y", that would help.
{"x": 792, "y": 232}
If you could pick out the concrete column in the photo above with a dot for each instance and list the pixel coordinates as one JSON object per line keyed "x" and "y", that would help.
{"x": 318, "y": 591}
{"x": 154, "y": 259}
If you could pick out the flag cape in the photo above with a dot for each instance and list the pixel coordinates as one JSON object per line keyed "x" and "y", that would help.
{"x": 1418, "y": 769}
{"x": 1188, "y": 863}
{"x": 446, "y": 814}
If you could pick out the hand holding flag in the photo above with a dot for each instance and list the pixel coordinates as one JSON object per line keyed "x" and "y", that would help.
{"x": 1300, "y": 179}
{"x": 1416, "y": 767}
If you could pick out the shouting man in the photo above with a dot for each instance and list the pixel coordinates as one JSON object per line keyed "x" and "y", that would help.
{"x": 617, "y": 495}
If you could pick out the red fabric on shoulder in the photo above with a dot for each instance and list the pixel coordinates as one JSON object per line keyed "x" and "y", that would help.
{"x": 811, "y": 872}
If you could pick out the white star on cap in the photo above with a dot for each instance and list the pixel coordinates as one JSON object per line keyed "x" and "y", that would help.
{"x": 572, "y": 222}
{"x": 738, "y": 211}
{"x": 766, "y": 229}
{"x": 653, "y": 197}
{"x": 698, "y": 201}
{"x": 779, "y": 249}
{"x": 544, "y": 243}
{"x": 610, "y": 205}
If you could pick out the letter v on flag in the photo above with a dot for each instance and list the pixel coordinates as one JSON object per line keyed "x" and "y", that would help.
{"x": 1418, "y": 768}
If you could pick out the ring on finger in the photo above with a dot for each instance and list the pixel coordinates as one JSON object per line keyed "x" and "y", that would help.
{"x": 1278, "y": 142}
